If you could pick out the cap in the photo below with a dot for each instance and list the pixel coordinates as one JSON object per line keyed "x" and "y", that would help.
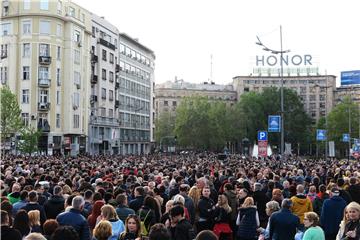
{"x": 335, "y": 191}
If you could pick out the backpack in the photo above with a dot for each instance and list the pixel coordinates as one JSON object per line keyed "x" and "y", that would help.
{"x": 144, "y": 230}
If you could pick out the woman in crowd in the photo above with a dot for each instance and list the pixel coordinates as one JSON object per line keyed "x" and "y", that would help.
{"x": 108, "y": 213}
{"x": 206, "y": 211}
{"x": 313, "y": 231}
{"x": 132, "y": 228}
{"x": 21, "y": 222}
{"x": 352, "y": 228}
{"x": 277, "y": 195}
{"x": 195, "y": 194}
{"x": 34, "y": 220}
{"x": 342, "y": 225}
{"x": 247, "y": 220}
{"x": 312, "y": 193}
{"x": 96, "y": 211}
{"x": 147, "y": 212}
{"x": 49, "y": 228}
{"x": 165, "y": 218}
{"x": 222, "y": 220}
{"x": 103, "y": 230}
{"x": 271, "y": 207}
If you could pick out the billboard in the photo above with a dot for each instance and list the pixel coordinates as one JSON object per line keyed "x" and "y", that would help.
{"x": 350, "y": 77}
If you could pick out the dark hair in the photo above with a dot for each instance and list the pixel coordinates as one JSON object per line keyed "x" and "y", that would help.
{"x": 176, "y": 211}
{"x": 33, "y": 197}
{"x": 88, "y": 194}
{"x": 4, "y": 216}
{"x": 121, "y": 199}
{"x": 23, "y": 195}
{"x": 159, "y": 232}
{"x": 228, "y": 186}
{"x": 6, "y": 206}
{"x": 97, "y": 196}
{"x": 57, "y": 190}
{"x": 140, "y": 190}
{"x": 50, "y": 226}
{"x": 65, "y": 232}
{"x": 206, "y": 235}
{"x": 21, "y": 222}
{"x": 150, "y": 202}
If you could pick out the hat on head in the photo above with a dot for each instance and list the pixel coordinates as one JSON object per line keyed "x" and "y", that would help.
{"x": 335, "y": 191}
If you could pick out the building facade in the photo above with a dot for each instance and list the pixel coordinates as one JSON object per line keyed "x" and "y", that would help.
{"x": 170, "y": 94}
{"x": 349, "y": 90}
{"x": 136, "y": 73}
{"x": 316, "y": 92}
{"x": 45, "y": 60}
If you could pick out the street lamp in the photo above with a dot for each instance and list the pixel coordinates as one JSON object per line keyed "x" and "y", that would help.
{"x": 281, "y": 52}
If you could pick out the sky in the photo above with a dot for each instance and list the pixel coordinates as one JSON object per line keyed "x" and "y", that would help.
{"x": 184, "y": 34}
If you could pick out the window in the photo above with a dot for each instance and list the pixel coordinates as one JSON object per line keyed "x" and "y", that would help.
{"x": 93, "y": 31}
{"x": 71, "y": 12}
{"x": 111, "y": 76}
{"x": 58, "y": 97}
{"x": 44, "y": 4}
{"x": 111, "y": 58}
{"x": 312, "y": 97}
{"x": 26, "y": 27}
{"x": 4, "y": 50}
{"x": 76, "y": 100}
{"x": 25, "y": 118}
{"x": 27, "y": 4}
{"x": 58, "y": 53}
{"x": 44, "y": 50}
{"x": 111, "y": 113}
{"x": 111, "y": 95}
{"x": 58, "y": 79}
{"x": 58, "y": 120}
{"x": 166, "y": 103}
{"x": 5, "y": 29}
{"x": 43, "y": 96}
{"x": 103, "y": 74}
{"x": 103, "y": 93}
{"x": 43, "y": 73}
{"x": 26, "y": 50}
{"x": 3, "y": 75}
{"x": 59, "y": 7}
{"x": 104, "y": 54}
{"x": 76, "y": 36}
{"x": 77, "y": 78}
{"x": 103, "y": 113}
{"x": 76, "y": 56}
{"x": 174, "y": 103}
{"x": 44, "y": 27}
{"x": 26, "y": 72}
{"x": 58, "y": 30}
{"x": 25, "y": 96}
{"x": 76, "y": 121}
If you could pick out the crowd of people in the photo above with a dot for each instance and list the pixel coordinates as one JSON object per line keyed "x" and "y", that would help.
{"x": 179, "y": 197}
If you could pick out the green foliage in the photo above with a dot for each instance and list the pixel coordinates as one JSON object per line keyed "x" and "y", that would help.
{"x": 29, "y": 140}
{"x": 11, "y": 121}
{"x": 164, "y": 126}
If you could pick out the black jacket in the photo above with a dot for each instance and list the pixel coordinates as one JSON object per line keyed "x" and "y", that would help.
{"x": 260, "y": 200}
{"x": 36, "y": 206}
{"x": 10, "y": 233}
{"x": 354, "y": 191}
{"x": 205, "y": 207}
{"x": 136, "y": 203}
{"x": 182, "y": 231}
{"x": 54, "y": 206}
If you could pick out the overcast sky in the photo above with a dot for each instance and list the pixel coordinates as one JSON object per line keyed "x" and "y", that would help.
{"x": 185, "y": 33}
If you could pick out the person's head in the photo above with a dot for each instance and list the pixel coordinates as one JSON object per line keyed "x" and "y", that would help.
{"x": 88, "y": 195}
{"x": 277, "y": 193}
{"x": 206, "y": 235}
{"x": 169, "y": 205}
{"x": 286, "y": 184}
{"x": 300, "y": 189}
{"x": 139, "y": 191}
{"x": 271, "y": 207}
{"x": 65, "y": 232}
{"x": 35, "y": 236}
{"x": 286, "y": 203}
{"x": 21, "y": 221}
{"x": 33, "y": 196}
{"x": 322, "y": 188}
{"x": 4, "y": 217}
{"x": 178, "y": 199}
{"x": 248, "y": 202}
{"x": 132, "y": 224}
{"x": 243, "y": 193}
{"x": 108, "y": 212}
{"x": 311, "y": 219}
{"x": 202, "y": 182}
{"x": 176, "y": 213}
{"x": 353, "y": 211}
{"x": 150, "y": 202}
{"x": 24, "y": 195}
{"x": 257, "y": 186}
{"x": 34, "y": 217}
{"x": 102, "y": 230}
{"x": 334, "y": 192}
{"x": 16, "y": 187}
{"x": 50, "y": 226}
{"x": 159, "y": 232}
{"x": 57, "y": 190}
{"x": 206, "y": 191}
{"x": 78, "y": 202}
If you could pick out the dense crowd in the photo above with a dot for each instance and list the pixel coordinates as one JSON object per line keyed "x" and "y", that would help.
{"x": 179, "y": 197}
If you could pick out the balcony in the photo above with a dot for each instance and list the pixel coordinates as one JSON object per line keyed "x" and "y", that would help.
{"x": 117, "y": 68}
{"x": 3, "y": 54}
{"x": 45, "y": 60}
{"x": 43, "y": 126}
{"x": 44, "y": 82}
{"x": 117, "y": 103}
{"x": 94, "y": 58}
{"x": 106, "y": 44}
{"x": 94, "y": 79}
{"x": 93, "y": 98}
{"x": 117, "y": 85}
{"x": 43, "y": 106}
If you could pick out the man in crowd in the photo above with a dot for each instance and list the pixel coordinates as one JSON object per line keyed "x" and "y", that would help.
{"x": 34, "y": 205}
{"x": 8, "y": 232}
{"x": 136, "y": 203}
{"x": 55, "y": 204}
{"x": 301, "y": 204}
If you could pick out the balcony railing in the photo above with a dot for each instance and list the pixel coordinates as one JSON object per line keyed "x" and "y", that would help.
{"x": 43, "y": 82}
{"x": 94, "y": 58}
{"x": 93, "y": 98}
{"x": 94, "y": 79}
{"x": 43, "y": 106}
{"x": 44, "y": 126}
{"x": 45, "y": 60}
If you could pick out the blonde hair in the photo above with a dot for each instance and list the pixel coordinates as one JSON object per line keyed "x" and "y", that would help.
{"x": 353, "y": 205}
{"x": 194, "y": 194}
{"x": 169, "y": 204}
{"x": 108, "y": 212}
{"x": 67, "y": 189}
{"x": 248, "y": 202}
{"x": 273, "y": 206}
{"x": 179, "y": 199}
{"x": 34, "y": 217}
{"x": 224, "y": 203}
{"x": 102, "y": 230}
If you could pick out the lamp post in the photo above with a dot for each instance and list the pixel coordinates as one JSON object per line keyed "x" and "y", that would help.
{"x": 281, "y": 52}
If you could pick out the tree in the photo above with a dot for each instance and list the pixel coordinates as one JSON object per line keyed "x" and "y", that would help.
{"x": 29, "y": 140}
{"x": 11, "y": 121}
{"x": 164, "y": 126}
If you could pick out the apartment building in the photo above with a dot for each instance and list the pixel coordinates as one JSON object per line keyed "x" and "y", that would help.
{"x": 45, "y": 60}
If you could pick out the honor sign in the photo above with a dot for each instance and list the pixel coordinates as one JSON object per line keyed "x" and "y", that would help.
{"x": 292, "y": 64}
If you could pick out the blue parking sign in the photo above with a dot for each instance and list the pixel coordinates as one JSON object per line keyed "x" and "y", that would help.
{"x": 262, "y": 136}
{"x": 274, "y": 123}
{"x": 346, "y": 137}
{"x": 320, "y": 135}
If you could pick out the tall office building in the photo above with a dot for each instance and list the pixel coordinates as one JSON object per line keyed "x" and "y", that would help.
{"x": 45, "y": 61}
{"x": 136, "y": 96}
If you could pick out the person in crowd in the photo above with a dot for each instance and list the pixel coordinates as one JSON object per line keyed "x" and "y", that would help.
{"x": 147, "y": 212}
{"x": 22, "y": 203}
{"x": 88, "y": 197}
{"x": 343, "y": 193}
{"x": 95, "y": 215}
{"x": 222, "y": 220}
{"x": 132, "y": 228}
{"x": 283, "y": 223}
{"x": 271, "y": 207}
{"x": 159, "y": 232}
{"x": 180, "y": 200}
{"x": 319, "y": 199}
{"x": 206, "y": 235}
{"x": 74, "y": 218}
{"x": 136, "y": 203}
{"x": 354, "y": 189}
{"x": 108, "y": 213}
{"x": 165, "y": 218}
{"x": 55, "y": 204}
{"x": 206, "y": 210}
{"x": 103, "y": 230}
{"x": 313, "y": 230}
{"x": 277, "y": 195}
{"x": 21, "y": 222}
{"x": 40, "y": 190}
{"x": 260, "y": 199}
{"x": 189, "y": 203}
{"x": 300, "y": 203}
{"x": 352, "y": 228}
{"x": 332, "y": 213}
{"x": 7, "y": 232}
{"x": 34, "y": 221}
{"x": 242, "y": 194}
{"x": 65, "y": 232}
{"x": 34, "y": 205}
{"x": 312, "y": 193}
{"x": 49, "y": 228}
{"x": 14, "y": 196}
{"x": 180, "y": 228}
{"x": 342, "y": 225}
{"x": 6, "y": 206}
{"x": 35, "y": 236}
{"x": 122, "y": 210}
{"x": 195, "y": 195}
{"x": 247, "y": 220}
